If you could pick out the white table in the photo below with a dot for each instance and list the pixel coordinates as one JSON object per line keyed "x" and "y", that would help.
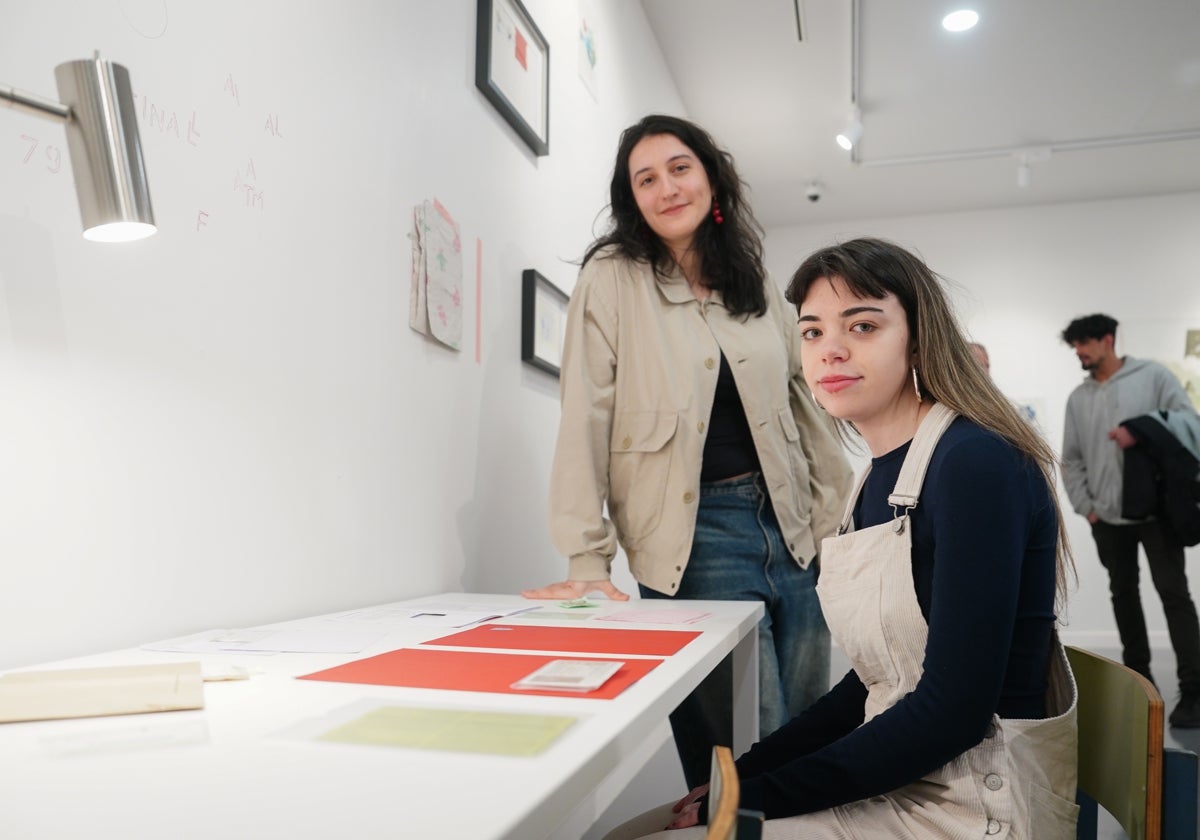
{"x": 227, "y": 771}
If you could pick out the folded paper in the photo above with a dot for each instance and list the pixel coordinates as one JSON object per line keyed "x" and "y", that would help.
{"x": 92, "y": 692}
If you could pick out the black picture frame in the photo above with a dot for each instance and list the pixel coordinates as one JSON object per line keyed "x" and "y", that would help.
{"x": 509, "y": 45}
{"x": 543, "y": 322}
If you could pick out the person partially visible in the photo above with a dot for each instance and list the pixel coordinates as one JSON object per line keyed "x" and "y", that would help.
{"x": 958, "y": 717}
{"x": 684, "y": 410}
{"x": 981, "y": 355}
{"x": 1117, "y": 390}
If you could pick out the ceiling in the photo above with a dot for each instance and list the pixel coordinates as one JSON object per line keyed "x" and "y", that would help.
{"x": 1101, "y": 96}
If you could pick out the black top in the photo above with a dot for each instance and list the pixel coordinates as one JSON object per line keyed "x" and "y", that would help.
{"x": 728, "y": 447}
{"x": 984, "y": 537}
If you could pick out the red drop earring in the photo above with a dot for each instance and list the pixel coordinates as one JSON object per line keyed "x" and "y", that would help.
{"x": 716, "y": 213}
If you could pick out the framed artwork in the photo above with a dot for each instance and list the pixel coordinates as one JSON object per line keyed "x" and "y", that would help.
{"x": 512, "y": 69}
{"x": 543, "y": 322}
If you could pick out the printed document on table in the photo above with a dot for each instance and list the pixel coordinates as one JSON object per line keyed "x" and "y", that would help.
{"x": 310, "y": 639}
{"x": 429, "y": 613}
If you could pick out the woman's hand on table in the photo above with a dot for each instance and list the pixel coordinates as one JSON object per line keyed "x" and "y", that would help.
{"x": 569, "y": 590}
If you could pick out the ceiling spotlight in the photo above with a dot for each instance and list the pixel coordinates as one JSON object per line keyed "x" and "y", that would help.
{"x": 1025, "y": 158}
{"x": 1024, "y": 175}
{"x": 960, "y": 21}
{"x": 853, "y": 132}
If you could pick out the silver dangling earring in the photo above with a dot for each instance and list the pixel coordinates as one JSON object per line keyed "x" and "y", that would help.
{"x": 916, "y": 387}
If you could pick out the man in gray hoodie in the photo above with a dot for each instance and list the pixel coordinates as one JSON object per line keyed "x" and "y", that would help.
{"x": 1121, "y": 388}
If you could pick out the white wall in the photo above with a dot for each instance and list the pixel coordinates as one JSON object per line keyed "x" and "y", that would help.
{"x": 231, "y": 423}
{"x": 1019, "y": 277}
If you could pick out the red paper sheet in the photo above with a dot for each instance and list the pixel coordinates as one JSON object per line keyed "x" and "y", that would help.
{"x": 572, "y": 639}
{"x": 460, "y": 670}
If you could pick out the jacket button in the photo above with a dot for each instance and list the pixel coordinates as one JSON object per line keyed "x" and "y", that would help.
{"x": 627, "y": 442}
{"x": 710, "y": 363}
{"x": 993, "y": 827}
{"x": 700, "y": 426}
{"x": 993, "y": 782}
{"x": 688, "y": 496}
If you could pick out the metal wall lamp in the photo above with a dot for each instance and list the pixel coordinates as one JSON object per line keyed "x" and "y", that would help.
{"x": 106, "y": 152}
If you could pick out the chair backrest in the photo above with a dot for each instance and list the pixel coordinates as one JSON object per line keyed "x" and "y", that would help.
{"x": 723, "y": 794}
{"x": 1120, "y": 742}
{"x": 726, "y": 821}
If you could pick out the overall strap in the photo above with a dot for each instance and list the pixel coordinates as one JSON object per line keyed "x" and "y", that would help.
{"x": 848, "y": 516}
{"x": 912, "y": 472}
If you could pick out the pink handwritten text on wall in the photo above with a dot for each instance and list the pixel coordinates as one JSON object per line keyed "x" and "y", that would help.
{"x": 156, "y": 117}
{"x": 52, "y": 154}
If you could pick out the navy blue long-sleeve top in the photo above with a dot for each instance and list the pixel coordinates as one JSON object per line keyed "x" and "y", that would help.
{"x": 984, "y": 537}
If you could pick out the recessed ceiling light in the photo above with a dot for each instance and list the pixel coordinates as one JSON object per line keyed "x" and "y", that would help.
{"x": 960, "y": 21}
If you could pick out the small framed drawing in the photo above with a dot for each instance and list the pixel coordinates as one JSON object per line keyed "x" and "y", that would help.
{"x": 512, "y": 69}
{"x": 543, "y": 322}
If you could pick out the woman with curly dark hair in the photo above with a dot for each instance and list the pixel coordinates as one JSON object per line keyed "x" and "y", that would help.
{"x": 684, "y": 410}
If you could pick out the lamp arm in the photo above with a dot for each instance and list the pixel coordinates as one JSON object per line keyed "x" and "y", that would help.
{"x": 31, "y": 103}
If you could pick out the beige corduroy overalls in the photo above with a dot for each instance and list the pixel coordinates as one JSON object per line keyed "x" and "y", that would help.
{"x": 1018, "y": 783}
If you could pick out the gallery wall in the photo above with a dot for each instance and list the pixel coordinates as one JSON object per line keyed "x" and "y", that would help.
{"x": 1018, "y": 277}
{"x": 232, "y": 423}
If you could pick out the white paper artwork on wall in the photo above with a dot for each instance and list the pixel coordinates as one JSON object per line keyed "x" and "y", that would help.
{"x": 435, "y": 297}
{"x": 587, "y": 48}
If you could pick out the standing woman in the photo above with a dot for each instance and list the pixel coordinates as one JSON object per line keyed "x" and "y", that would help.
{"x": 958, "y": 718}
{"x": 685, "y": 411}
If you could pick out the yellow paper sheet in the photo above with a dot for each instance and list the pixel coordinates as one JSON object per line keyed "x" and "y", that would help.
{"x": 494, "y": 733}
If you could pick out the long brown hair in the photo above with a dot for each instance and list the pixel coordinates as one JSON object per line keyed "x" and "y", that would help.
{"x": 946, "y": 368}
{"x": 730, "y": 253}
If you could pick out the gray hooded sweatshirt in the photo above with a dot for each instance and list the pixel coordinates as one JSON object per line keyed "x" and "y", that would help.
{"x": 1093, "y": 465}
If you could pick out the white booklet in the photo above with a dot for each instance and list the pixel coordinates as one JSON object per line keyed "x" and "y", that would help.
{"x": 570, "y": 675}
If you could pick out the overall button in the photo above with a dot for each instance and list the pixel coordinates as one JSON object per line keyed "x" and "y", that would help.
{"x": 688, "y": 496}
{"x": 993, "y": 782}
{"x": 710, "y": 363}
{"x": 991, "y": 731}
{"x": 700, "y": 426}
{"x": 993, "y": 827}
{"x": 627, "y": 442}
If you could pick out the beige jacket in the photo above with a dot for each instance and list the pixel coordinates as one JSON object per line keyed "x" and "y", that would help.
{"x": 639, "y": 373}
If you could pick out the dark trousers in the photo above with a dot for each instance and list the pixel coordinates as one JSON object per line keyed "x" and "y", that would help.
{"x": 1118, "y": 548}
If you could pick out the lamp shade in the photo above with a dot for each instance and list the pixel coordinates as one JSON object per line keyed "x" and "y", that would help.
{"x": 106, "y": 150}
{"x": 852, "y": 133}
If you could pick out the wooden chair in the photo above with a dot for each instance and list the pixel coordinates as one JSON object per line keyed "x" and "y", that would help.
{"x": 726, "y": 821}
{"x": 1123, "y": 766}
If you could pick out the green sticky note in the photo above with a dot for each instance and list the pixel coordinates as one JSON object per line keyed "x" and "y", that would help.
{"x": 493, "y": 733}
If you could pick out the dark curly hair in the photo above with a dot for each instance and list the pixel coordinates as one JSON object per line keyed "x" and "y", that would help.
{"x": 730, "y": 254}
{"x": 1090, "y": 326}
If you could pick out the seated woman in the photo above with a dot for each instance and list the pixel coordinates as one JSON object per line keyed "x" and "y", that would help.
{"x": 958, "y": 718}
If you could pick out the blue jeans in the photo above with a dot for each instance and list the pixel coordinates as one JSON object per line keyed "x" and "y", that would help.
{"x": 738, "y": 554}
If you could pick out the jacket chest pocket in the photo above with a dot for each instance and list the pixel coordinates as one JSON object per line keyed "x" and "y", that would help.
{"x": 640, "y": 456}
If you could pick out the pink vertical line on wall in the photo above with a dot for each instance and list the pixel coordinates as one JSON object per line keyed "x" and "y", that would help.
{"x": 478, "y": 297}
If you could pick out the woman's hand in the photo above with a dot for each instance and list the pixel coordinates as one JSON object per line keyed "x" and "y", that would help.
{"x": 569, "y": 590}
{"x": 688, "y": 809}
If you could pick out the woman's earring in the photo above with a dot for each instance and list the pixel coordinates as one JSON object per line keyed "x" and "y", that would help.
{"x": 716, "y": 212}
{"x": 916, "y": 386}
